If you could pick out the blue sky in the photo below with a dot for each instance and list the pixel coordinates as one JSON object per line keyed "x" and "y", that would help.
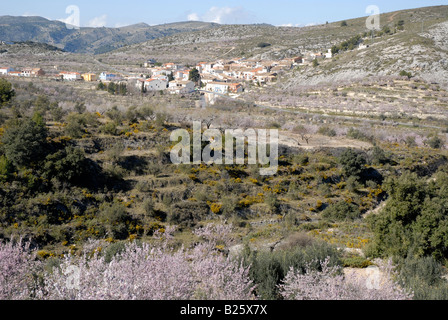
{"x": 113, "y": 13}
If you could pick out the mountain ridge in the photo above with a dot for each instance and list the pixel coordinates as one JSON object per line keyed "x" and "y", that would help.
{"x": 88, "y": 39}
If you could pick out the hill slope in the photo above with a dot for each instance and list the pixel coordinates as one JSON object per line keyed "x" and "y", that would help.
{"x": 424, "y": 53}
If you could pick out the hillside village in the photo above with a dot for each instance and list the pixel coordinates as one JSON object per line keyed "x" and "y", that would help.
{"x": 220, "y": 77}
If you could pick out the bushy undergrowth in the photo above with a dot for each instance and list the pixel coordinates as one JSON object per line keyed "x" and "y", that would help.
{"x": 269, "y": 269}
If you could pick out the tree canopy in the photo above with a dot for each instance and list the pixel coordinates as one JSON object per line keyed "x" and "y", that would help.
{"x": 6, "y": 91}
{"x": 24, "y": 140}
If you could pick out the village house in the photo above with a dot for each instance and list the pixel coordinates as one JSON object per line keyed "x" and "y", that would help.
{"x": 217, "y": 70}
{"x": 104, "y": 76}
{"x": 206, "y": 78}
{"x": 70, "y": 76}
{"x": 199, "y": 67}
{"x": 207, "y": 67}
{"x": 155, "y": 84}
{"x": 317, "y": 55}
{"x": 15, "y": 73}
{"x": 249, "y": 63}
{"x": 224, "y": 88}
{"x": 181, "y": 87}
{"x": 150, "y": 63}
{"x": 170, "y": 66}
{"x": 5, "y": 70}
{"x": 235, "y": 88}
{"x": 264, "y": 78}
{"x": 249, "y": 75}
{"x": 182, "y": 75}
{"x": 32, "y": 72}
{"x": 161, "y": 77}
{"x": 89, "y": 77}
{"x": 160, "y": 71}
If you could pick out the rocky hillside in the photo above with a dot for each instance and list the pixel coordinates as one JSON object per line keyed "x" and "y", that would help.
{"x": 419, "y": 46}
{"x": 420, "y": 49}
{"x": 87, "y": 40}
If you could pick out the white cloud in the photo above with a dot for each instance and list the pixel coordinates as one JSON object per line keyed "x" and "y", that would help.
{"x": 98, "y": 22}
{"x": 223, "y": 15}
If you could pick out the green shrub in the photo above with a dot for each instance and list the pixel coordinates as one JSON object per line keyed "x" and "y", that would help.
{"x": 115, "y": 219}
{"x": 379, "y": 156}
{"x": 356, "y": 262}
{"x": 435, "y": 142}
{"x": 424, "y": 277}
{"x": 69, "y": 165}
{"x": 6, "y": 168}
{"x": 6, "y": 91}
{"x": 404, "y": 73}
{"x": 229, "y": 205}
{"x": 77, "y": 124}
{"x": 342, "y": 211}
{"x": 327, "y": 131}
{"x": 109, "y": 128}
{"x": 358, "y": 135}
{"x": 272, "y": 201}
{"x": 113, "y": 250}
{"x": 148, "y": 207}
{"x": 24, "y": 141}
{"x": 415, "y": 219}
{"x": 353, "y": 163}
{"x": 268, "y": 269}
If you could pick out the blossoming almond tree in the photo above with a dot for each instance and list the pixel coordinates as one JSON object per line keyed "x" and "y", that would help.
{"x": 16, "y": 265}
{"x": 332, "y": 284}
{"x": 147, "y": 272}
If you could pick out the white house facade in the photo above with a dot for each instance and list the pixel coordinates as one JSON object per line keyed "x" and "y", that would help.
{"x": 181, "y": 86}
{"x": 4, "y": 71}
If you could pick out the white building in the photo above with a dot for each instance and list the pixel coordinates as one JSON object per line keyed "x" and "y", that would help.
{"x": 104, "y": 76}
{"x": 181, "y": 86}
{"x": 207, "y": 67}
{"x": 162, "y": 77}
{"x": 70, "y": 76}
{"x": 218, "y": 87}
{"x": 5, "y": 70}
{"x": 182, "y": 75}
{"x": 32, "y": 72}
{"x": 155, "y": 84}
{"x": 224, "y": 88}
{"x": 160, "y": 71}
